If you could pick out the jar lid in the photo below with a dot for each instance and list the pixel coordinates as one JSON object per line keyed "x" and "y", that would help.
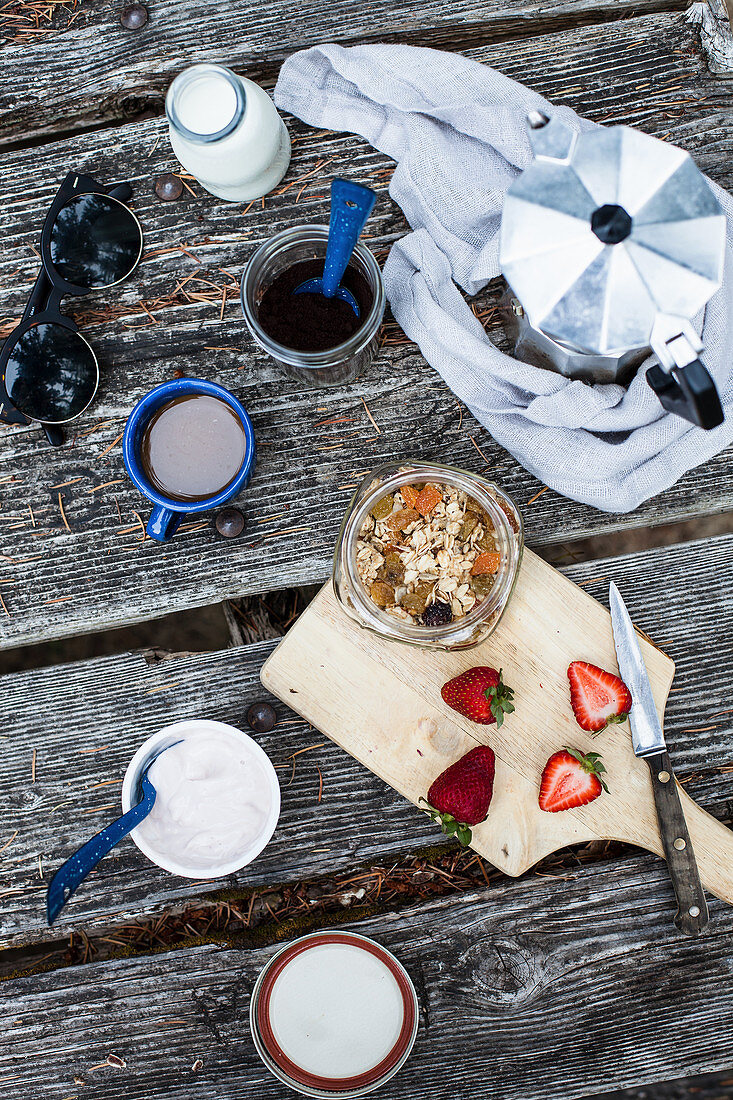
{"x": 334, "y": 1014}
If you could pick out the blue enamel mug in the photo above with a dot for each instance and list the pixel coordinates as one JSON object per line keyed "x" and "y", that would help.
{"x": 168, "y": 513}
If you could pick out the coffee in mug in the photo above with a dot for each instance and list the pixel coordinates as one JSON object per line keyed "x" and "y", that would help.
{"x": 188, "y": 446}
{"x": 193, "y": 447}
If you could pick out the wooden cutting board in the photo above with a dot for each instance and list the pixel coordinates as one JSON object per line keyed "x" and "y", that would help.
{"x": 381, "y": 702}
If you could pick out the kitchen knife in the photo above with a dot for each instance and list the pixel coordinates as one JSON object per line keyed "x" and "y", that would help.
{"x": 648, "y": 741}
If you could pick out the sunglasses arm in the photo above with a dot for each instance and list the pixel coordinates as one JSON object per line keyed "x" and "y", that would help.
{"x": 121, "y": 191}
{"x": 38, "y": 302}
{"x": 53, "y": 434}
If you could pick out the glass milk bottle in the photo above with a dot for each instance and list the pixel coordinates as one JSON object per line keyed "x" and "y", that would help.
{"x": 225, "y": 131}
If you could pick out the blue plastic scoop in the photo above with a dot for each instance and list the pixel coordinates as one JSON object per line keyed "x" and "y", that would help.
{"x": 71, "y": 874}
{"x": 351, "y": 205}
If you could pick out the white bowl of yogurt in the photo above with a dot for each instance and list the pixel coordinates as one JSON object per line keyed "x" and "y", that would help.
{"x": 217, "y": 799}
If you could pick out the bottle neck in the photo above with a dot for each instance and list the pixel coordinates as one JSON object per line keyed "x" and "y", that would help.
{"x": 205, "y": 103}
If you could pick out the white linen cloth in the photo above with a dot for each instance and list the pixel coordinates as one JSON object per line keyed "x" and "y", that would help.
{"x": 457, "y": 131}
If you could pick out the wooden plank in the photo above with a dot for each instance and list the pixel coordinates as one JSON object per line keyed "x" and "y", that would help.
{"x": 112, "y": 704}
{"x": 128, "y": 72}
{"x": 709, "y": 1086}
{"x": 314, "y": 447}
{"x": 538, "y": 989}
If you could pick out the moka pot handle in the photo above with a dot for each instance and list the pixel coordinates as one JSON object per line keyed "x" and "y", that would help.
{"x": 689, "y": 392}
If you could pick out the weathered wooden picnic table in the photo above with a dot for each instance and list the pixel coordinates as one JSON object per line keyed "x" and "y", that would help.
{"x": 569, "y": 981}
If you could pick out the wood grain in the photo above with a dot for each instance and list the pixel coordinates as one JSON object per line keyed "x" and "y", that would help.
{"x": 126, "y": 72}
{"x": 112, "y": 704}
{"x": 539, "y": 990}
{"x": 327, "y": 668}
{"x": 313, "y": 447}
{"x": 709, "y": 1086}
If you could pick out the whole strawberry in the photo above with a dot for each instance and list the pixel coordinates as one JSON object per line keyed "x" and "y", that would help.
{"x": 480, "y": 694}
{"x": 461, "y": 794}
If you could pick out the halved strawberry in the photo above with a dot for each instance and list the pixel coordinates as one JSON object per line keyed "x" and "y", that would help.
{"x": 461, "y": 794}
{"x": 571, "y": 779}
{"x": 480, "y": 694}
{"x": 597, "y": 697}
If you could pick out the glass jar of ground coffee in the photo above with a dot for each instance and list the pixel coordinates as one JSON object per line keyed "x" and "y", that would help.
{"x": 318, "y": 340}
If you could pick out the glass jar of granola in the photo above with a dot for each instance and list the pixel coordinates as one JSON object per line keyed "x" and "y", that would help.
{"x": 428, "y": 554}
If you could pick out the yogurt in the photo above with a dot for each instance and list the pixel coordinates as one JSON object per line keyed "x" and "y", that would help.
{"x": 217, "y": 799}
{"x": 225, "y": 130}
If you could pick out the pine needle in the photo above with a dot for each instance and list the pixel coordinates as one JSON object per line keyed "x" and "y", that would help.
{"x": 377, "y": 429}
{"x": 538, "y": 495}
{"x": 63, "y": 513}
{"x": 480, "y": 451}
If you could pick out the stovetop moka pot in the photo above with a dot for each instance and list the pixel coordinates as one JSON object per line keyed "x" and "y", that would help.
{"x": 611, "y": 241}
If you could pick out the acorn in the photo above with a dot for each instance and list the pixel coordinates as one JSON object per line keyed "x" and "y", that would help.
{"x": 134, "y": 17}
{"x": 230, "y": 523}
{"x": 261, "y": 717}
{"x": 168, "y": 187}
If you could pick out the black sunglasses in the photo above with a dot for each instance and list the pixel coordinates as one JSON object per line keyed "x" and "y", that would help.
{"x": 90, "y": 240}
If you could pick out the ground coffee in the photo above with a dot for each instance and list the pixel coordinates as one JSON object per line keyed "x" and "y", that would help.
{"x": 311, "y": 322}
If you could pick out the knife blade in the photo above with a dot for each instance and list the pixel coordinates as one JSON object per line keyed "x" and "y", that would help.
{"x": 646, "y": 730}
{"x": 648, "y": 741}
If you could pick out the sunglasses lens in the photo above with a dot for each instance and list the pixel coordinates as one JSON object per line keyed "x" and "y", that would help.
{"x": 51, "y": 374}
{"x": 95, "y": 241}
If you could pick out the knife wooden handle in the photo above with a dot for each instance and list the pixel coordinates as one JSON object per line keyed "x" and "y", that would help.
{"x": 692, "y": 913}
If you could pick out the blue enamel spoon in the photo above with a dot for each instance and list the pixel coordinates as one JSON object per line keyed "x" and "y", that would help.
{"x": 71, "y": 874}
{"x": 351, "y": 205}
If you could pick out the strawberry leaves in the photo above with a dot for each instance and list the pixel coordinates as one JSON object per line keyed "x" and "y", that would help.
{"x": 449, "y": 825}
{"x": 499, "y": 697}
{"x": 590, "y": 762}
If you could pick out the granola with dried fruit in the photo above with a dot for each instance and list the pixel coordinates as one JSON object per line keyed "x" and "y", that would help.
{"x": 427, "y": 545}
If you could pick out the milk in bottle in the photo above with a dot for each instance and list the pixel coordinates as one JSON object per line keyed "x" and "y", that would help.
{"x": 225, "y": 130}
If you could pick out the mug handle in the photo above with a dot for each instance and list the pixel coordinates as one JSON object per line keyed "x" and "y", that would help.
{"x": 163, "y": 523}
